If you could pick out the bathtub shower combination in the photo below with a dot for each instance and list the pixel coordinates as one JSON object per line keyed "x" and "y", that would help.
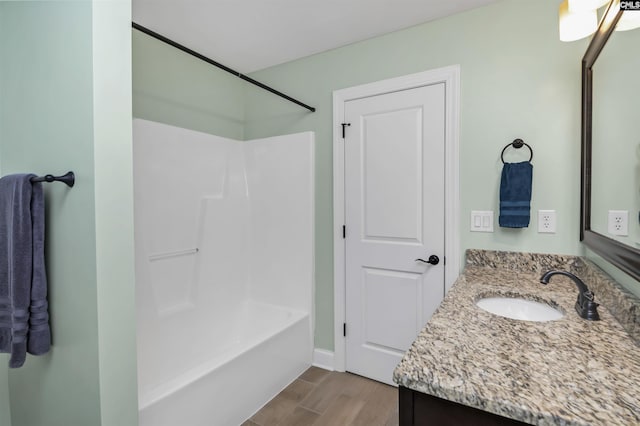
{"x": 224, "y": 272}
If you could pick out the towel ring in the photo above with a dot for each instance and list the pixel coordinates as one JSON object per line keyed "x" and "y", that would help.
{"x": 517, "y": 143}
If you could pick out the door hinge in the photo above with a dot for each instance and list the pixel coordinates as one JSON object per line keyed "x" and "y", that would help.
{"x": 344, "y": 232}
{"x": 344, "y": 329}
{"x": 343, "y": 126}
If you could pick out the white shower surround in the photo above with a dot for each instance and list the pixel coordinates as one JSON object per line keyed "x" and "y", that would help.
{"x": 224, "y": 271}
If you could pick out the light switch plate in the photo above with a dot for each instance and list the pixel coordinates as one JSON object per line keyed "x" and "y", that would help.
{"x": 481, "y": 221}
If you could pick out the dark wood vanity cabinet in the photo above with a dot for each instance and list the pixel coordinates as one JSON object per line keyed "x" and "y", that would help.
{"x": 420, "y": 409}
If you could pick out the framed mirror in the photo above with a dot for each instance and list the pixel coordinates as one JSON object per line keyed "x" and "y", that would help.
{"x": 610, "y": 181}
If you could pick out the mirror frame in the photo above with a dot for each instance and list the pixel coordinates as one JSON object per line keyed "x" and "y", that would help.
{"x": 625, "y": 257}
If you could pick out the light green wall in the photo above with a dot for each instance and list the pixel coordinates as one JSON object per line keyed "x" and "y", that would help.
{"x": 517, "y": 81}
{"x": 5, "y": 407}
{"x": 172, "y": 87}
{"x": 113, "y": 168}
{"x": 47, "y": 128}
{"x": 50, "y": 95}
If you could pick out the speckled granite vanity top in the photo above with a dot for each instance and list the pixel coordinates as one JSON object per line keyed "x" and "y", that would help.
{"x": 564, "y": 372}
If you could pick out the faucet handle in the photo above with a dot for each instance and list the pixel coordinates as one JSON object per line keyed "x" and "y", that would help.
{"x": 586, "y": 306}
{"x": 592, "y": 311}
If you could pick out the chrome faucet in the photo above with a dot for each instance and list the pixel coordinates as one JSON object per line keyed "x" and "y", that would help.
{"x": 586, "y": 307}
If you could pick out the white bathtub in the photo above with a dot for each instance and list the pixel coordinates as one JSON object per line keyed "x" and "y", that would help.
{"x": 269, "y": 348}
{"x": 224, "y": 272}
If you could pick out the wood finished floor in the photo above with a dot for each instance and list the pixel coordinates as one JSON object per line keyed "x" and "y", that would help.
{"x": 328, "y": 398}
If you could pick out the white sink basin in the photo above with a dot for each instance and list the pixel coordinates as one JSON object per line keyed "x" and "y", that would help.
{"x": 520, "y": 309}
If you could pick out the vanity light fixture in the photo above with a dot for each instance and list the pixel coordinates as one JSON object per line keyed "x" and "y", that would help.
{"x": 579, "y": 18}
{"x": 575, "y": 25}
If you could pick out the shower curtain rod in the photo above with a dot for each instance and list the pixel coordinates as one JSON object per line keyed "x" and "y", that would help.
{"x": 217, "y": 64}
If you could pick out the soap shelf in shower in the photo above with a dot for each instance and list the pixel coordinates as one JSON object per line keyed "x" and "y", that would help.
{"x": 159, "y": 256}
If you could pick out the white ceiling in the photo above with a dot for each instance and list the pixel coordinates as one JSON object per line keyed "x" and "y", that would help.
{"x": 249, "y": 35}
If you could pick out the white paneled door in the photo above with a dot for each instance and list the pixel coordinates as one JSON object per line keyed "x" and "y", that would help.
{"x": 394, "y": 214}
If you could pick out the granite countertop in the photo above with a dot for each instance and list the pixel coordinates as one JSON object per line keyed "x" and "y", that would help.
{"x": 564, "y": 372}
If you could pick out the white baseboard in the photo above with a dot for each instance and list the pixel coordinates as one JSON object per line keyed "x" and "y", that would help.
{"x": 323, "y": 358}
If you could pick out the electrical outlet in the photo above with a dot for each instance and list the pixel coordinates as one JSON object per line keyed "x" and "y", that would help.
{"x": 547, "y": 221}
{"x": 482, "y": 221}
{"x": 618, "y": 223}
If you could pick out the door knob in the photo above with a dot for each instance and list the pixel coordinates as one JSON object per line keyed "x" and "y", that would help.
{"x": 433, "y": 260}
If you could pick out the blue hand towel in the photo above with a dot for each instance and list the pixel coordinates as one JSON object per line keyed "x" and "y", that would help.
{"x": 515, "y": 194}
{"x": 24, "y": 317}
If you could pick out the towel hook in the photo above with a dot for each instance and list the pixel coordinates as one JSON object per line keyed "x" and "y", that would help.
{"x": 517, "y": 143}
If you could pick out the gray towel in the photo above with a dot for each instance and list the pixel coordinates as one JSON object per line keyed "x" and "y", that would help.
{"x": 24, "y": 317}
